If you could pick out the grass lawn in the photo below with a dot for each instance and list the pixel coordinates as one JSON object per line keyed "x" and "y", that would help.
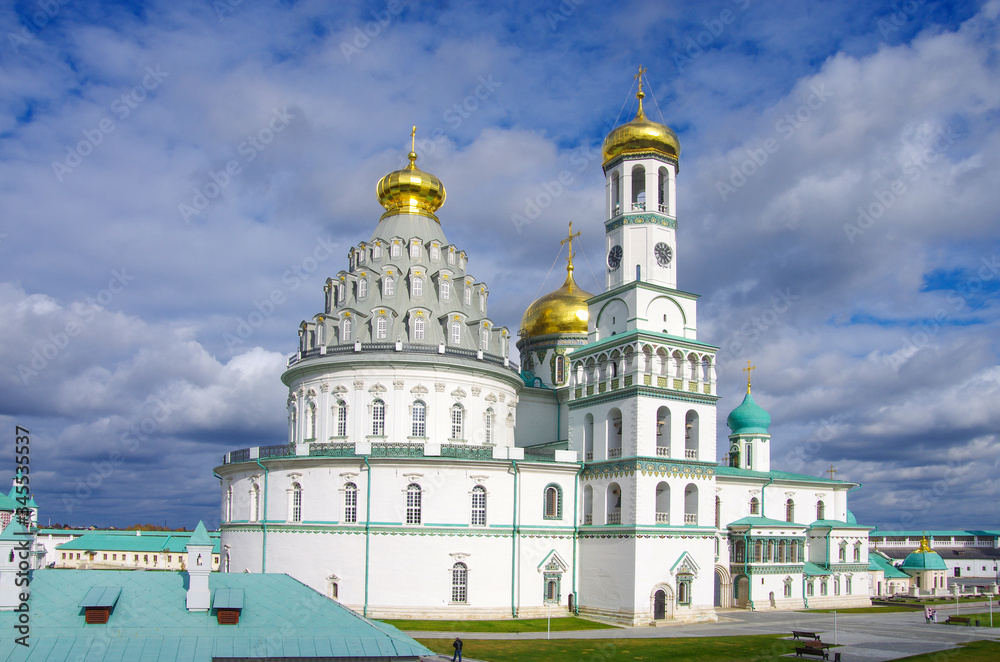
{"x": 753, "y": 648}
{"x": 513, "y": 625}
{"x": 983, "y": 618}
{"x": 974, "y": 651}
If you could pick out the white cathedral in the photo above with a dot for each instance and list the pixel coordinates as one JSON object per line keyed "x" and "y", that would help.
{"x": 427, "y": 476}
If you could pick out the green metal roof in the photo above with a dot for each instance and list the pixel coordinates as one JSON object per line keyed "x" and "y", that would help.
{"x": 725, "y": 470}
{"x": 101, "y": 596}
{"x": 934, "y": 534}
{"x": 749, "y": 418}
{"x": 101, "y": 541}
{"x": 836, "y": 524}
{"x": 924, "y": 561}
{"x": 200, "y": 536}
{"x": 810, "y": 569}
{"x": 765, "y": 521}
{"x": 281, "y": 618}
{"x": 14, "y": 531}
{"x": 878, "y": 562}
{"x": 227, "y": 598}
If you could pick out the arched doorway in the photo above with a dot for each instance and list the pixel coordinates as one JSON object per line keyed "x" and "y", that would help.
{"x": 770, "y": 598}
{"x": 723, "y": 588}
{"x": 659, "y": 605}
{"x": 742, "y": 592}
{"x": 662, "y": 602}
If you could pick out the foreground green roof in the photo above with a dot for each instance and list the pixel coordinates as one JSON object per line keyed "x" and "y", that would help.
{"x": 726, "y": 470}
{"x": 281, "y": 618}
{"x": 878, "y": 562}
{"x": 754, "y": 521}
{"x": 94, "y": 542}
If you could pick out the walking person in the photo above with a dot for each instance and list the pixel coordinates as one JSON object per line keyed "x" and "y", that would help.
{"x": 927, "y": 614}
{"x": 457, "y": 645}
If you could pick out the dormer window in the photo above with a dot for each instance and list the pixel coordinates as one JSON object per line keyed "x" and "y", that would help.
{"x": 435, "y": 252}
{"x": 445, "y": 290}
{"x": 363, "y": 288}
{"x": 451, "y": 256}
{"x": 396, "y": 250}
{"x": 468, "y": 296}
{"x": 228, "y": 603}
{"x": 414, "y": 250}
{"x": 98, "y": 603}
{"x": 377, "y": 251}
{"x": 388, "y": 286}
{"x": 456, "y": 333}
{"x": 482, "y": 302}
{"x": 417, "y": 286}
{"x": 361, "y": 256}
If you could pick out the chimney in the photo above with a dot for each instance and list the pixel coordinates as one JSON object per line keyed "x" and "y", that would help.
{"x": 199, "y": 567}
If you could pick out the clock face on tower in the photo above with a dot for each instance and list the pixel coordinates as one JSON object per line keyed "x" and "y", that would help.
{"x": 615, "y": 257}
{"x": 663, "y": 254}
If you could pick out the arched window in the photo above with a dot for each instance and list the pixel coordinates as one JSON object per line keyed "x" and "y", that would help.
{"x": 340, "y": 418}
{"x": 388, "y": 286}
{"x": 467, "y": 297}
{"x": 377, "y": 251}
{"x": 843, "y": 554}
{"x": 560, "y": 368}
{"x": 820, "y": 510}
{"x": 419, "y": 416}
{"x": 381, "y": 327}
{"x": 484, "y": 339}
{"x": 809, "y": 588}
{"x": 614, "y": 433}
{"x": 414, "y": 251}
{"x": 347, "y": 324}
{"x": 418, "y": 328}
{"x": 553, "y": 502}
{"x": 456, "y": 333}
{"x": 362, "y": 288}
{"x": 478, "y": 506}
{"x": 551, "y": 590}
{"x": 482, "y": 302}
{"x": 788, "y": 588}
{"x": 857, "y": 554}
{"x": 295, "y": 511}
{"x": 616, "y": 196}
{"x": 445, "y": 290}
{"x": 413, "y": 508}
{"x": 488, "y": 422}
{"x": 293, "y": 425}
{"x": 457, "y": 418}
{"x": 718, "y": 513}
{"x": 588, "y": 504}
{"x": 588, "y": 437}
{"x": 847, "y": 585}
{"x": 451, "y": 256}
{"x": 378, "y": 419}
{"x": 758, "y": 551}
{"x": 638, "y": 187}
{"x": 361, "y": 255}
{"x": 662, "y": 503}
{"x": 311, "y": 421}
{"x": 663, "y": 432}
{"x": 227, "y": 505}
{"x": 684, "y": 588}
{"x": 396, "y": 249}
{"x": 663, "y": 194}
{"x": 435, "y": 252}
{"x": 460, "y": 583}
{"x": 254, "y": 503}
{"x": 351, "y": 503}
{"x": 754, "y": 506}
{"x": 417, "y": 286}
{"x": 691, "y": 435}
{"x": 789, "y": 511}
{"x": 225, "y": 563}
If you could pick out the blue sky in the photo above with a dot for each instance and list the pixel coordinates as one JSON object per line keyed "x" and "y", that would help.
{"x": 837, "y": 215}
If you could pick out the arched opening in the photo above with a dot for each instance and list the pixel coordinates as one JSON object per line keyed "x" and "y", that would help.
{"x": 790, "y": 511}
{"x": 723, "y": 588}
{"x": 616, "y": 194}
{"x": 691, "y": 435}
{"x": 460, "y": 583}
{"x": 614, "y": 504}
{"x": 661, "y": 602}
{"x": 770, "y": 598}
{"x": 478, "y": 506}
{"x": 678, "y": 365}
{"x": 754, "y": 506}
{"x": 659, "y": 605}
{"x": 588, "y": 437}
{"x": 588, "y": 505}
{"x": 638, "y": 188}
{"x": 560, "y": 369}
{"x": 615, "y": 433}
{"x": 663, "y": 192}
{"x": 419, "y": 420}
{"x": 663, "y": 432}
{"x": 742, "y": 592}
{"x": 718, "y": 513}
{"x": 691, "y": 504}
{"x": 820, "y": 510}
{"x": 662, "y": 503}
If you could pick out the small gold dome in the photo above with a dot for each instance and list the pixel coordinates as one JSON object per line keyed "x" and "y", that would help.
{"x": 410, "y": 191}
{"x": 641, "y": 135}
{"x": 560, "y": 312}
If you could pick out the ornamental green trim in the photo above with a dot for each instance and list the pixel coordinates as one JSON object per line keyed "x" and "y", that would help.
{"x": 650, "y": 218}
{"x": 627, "y": 392}
{"x": 617, "y": 468}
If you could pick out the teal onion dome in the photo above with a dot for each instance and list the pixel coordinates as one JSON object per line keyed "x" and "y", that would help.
{"x": 749, "y": 418}
{"x": 924, "y": 559}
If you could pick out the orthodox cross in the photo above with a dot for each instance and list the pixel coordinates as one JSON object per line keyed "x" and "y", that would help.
{"x": 413, "y": 139}
{"x": 638, "y": 76}
{"x": 831, "y": 471}
{"x": 569, "y": 240}
{"x": 749, "y": 369}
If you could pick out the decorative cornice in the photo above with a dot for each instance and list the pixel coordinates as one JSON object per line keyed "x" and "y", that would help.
{"x": 627, "y": 392}
{"x": 649, "y": 218}
{"x": 629, "y": 467}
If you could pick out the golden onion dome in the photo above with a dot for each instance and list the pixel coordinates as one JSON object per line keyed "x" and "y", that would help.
{"x": 410, "y": 190}
{"x": 561, "y": 312}
{"x": 641, "y": 135}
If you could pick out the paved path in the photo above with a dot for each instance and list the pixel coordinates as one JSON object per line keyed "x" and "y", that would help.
{"x": 861, "y": 637}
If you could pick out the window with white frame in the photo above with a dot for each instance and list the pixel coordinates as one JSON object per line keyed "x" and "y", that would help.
{"x": 435, "y": 252}
{"x": 254, "y": 502}
{"x": 843, "y": 554}
{"x": 362, "y": 288}
{"x": 790, "y": 511}
{"x": 419, "y": 416}
{"x": 418, "y": 328}
{"x": 488, "y": 422}
{"x": 361, "y": 255}
{"x": 451, "y": 256}
{"x": 857, "y": 553}
{"x": 754, "y": 506}
{"x": 460, "y": 583}
{"x": 482, "y": 302}
{"x": 414, "y": 250}
{"x": 484, "y": 339}
{"x": 788, "y": 588}
{"x": 346, "y": 326}
{"x": 295, "y": 510}
{"x": 823, "y": 587}
{"x": 417, "y": 286}
{"x": 836, "y": 586}
{"x": 553, "y": 503}
{"x": 377, "y": 251}
{"x": 341, "y": 292}
{"x": 456, "y": 333}
{"x": 339, "y": 411}
{"x": 350, "y": 503}
{"x": 445, "y": 290}
{"x": 378, "y": 418}
{"x": 388, "y": 286}
{"x": 413, "y": 507}
{"x": 228, "y": 505}
{"x": 478, "y": 506}
{"x": 396, "y": 249}
{"x": 457, "y": 419}
{"x": 381, "y": 327}
{"x": 847, "y": 585}
{"x": 468, "y": 296}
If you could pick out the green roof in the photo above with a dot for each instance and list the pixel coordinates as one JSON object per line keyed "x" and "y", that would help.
{"x": 878, "y": 562}
{"x": 281, "y": 618}
{"x": 200, "y": 536}
{"x": 749, "y": 418}
{"x": 811, "y": 570}
{"x": 14, "y": 531}
{"x": 935, "y": 534}
{"x": 726, "y": 470}
{"x": 95, "y": 541}
{"x": 836, "y": 524}
{"x": 765, "y": 521}
{"x": 923, "y": 561}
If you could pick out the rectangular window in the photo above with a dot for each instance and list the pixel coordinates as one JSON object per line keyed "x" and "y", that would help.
{"x": 413, "y": 504}
{"x": 396, "y": 250}
{"x": 468, "y": 295}
{"x": 418, "y": 329}
{"x": 418, "y": 287}
{"x": 456, "y": 333}
{"x": 105, "y": 557}
{"x": 419, "y": 419}
{"x": 445, "y": 290}
{"x": 414, "y": 251}
{"x": 456, "y": 422}
{"x": 363, "y": 288}
{"x": 435, "y": 252}
{"x": 351, "y": 504}
{"x": 479, "y": 506}
{"x": 378, "y": 419}
{"x": 388, "y": 286}
{"x": 170, "y": 558}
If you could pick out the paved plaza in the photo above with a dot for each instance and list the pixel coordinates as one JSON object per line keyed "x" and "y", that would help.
{"x": 857, "y": 637}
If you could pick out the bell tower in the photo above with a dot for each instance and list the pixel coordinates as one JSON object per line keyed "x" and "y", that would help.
{"x": 640, "y": 169}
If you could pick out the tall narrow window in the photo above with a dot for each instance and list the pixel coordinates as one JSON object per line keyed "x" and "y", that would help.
{"x": 418, "y": 328}
{"x": 482, "y": 302}
{"x": 296, "y": 509}
{"x": 378, "y": 418}
{"x": 413, "y": 509}
{"x": 311, "y": 423}
{"x": 396, "y": 249}
{"x": 456, "y": 333}
{"x": 478, "y": 506}
{"x": 419, "y": 428}
{"x": 347, "y": 328}
{"x": 351, "y": 503}
{"x": 459, "y": 583}
{"x": 488, "y": 419}
{"x": 560, "y": 368}
{"x": 451, "y": 256}
{"x": 553, "y": 505}
{"x": 754, "y": 506}
{"x": 418, "y": 286}
{"x": 457, "y": 416}
{"x": 388, "y": 286}
{"x": 381, "y": 326}
{"x": 414, "y": 251}
{"x": 820, "y": 510}
{"x": 340, "y": 417}
{"x": 377, "y": 251}
{"x": 445, "y": 290}
{"x": 435, "y": 252}
{"x": 362, "y": 288}
{"x": 484, "y": 339}
{"x": 789, "y": 511}
{"x": 468, "y": 296}
{"x": 228, "y": 505}
{"x": 254, "y": 503}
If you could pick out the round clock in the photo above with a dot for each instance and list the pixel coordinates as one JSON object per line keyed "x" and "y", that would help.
{"x": 663, "y": 254}
{"x": 615, "y": 257}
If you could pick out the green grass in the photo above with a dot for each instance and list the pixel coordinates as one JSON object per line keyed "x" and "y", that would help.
{"x": 752, "y": 648}
{"x": 864, "y": 610}
{"x": 512, "y": 625}
{"x": 974, "y": 651}
{"x": 983, "y": 618}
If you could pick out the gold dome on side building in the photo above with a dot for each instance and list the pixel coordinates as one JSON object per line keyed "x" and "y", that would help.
{"x": 560, "y": 312}
{"x": 641, "y": 135}
{"x": 411, "y": 190}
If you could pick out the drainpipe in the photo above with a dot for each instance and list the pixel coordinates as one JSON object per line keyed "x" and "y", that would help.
{"x": 748, "y": 555}
{"x": 263, "y": 524}
{"x": 763, "y": 513}
{"x": 805, "y": 597}
{"x": 368, "y": 520}
{"x": 513, "y": 545}
{"x": 576, "y": 531}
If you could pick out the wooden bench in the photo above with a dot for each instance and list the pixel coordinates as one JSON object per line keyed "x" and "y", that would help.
{"x": 812, "y": 652}
{"x": 958, "y": 619}
{"x": 816, "y": 644}
{"x": 799, "y": 634}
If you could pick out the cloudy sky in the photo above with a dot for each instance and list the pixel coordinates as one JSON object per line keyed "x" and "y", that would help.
{"x": 167, "y": 167}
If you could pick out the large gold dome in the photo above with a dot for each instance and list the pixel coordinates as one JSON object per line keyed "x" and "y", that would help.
{"x": 410, "y": 191}
{"x": 641, "y": 135}
{"x": 561, "y": 312}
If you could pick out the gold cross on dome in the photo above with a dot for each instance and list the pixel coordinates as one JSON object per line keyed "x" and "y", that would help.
{"x": 749, "y": 369}
{"x": 569, "y": 240}
{"x": 413, "y": 139}
{"x": 831, "y": 471}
